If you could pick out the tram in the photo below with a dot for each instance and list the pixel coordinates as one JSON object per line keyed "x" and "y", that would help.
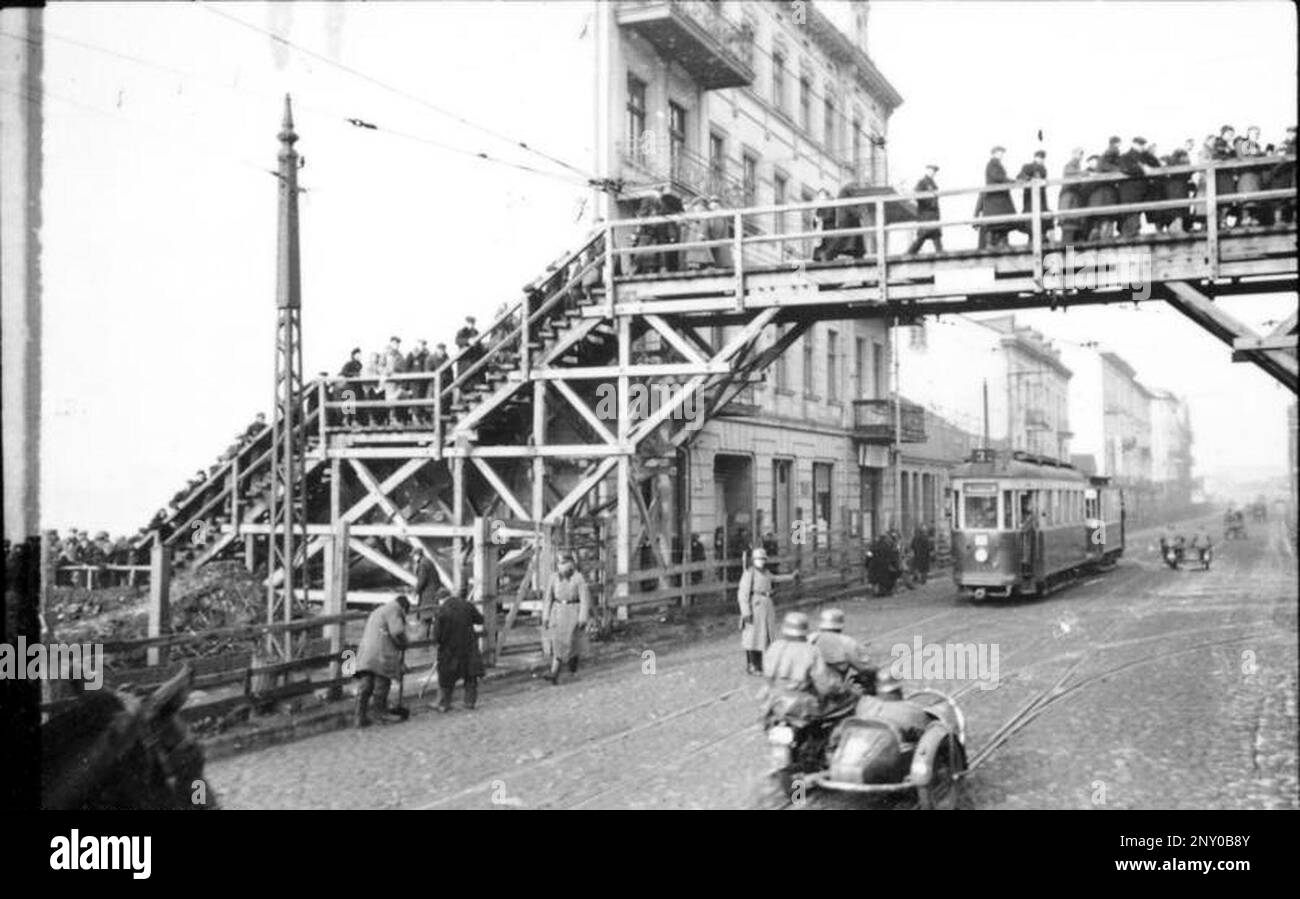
{"x": 1023, "y": 524}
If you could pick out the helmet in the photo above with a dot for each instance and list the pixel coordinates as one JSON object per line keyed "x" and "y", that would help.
{"x": 758, "y": 553}
{"x": 886, "y": 684}
{"x": 795, "y": 625}
{"x": 831, "y": 620}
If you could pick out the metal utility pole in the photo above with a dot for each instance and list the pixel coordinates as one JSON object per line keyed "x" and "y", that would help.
{"x": 898, "y": 435}
{"x": 288, "y": 528}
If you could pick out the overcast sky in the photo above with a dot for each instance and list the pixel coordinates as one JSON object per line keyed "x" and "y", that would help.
{"x": 159, "y": 238}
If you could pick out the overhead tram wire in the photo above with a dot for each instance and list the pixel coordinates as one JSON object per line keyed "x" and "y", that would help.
{"x": 356, "y": 73}
{"x": 299, "y": 107}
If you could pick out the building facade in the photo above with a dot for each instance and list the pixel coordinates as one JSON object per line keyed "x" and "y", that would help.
{"x": 1171, "y": 451}
{"x": 759, "y": 103}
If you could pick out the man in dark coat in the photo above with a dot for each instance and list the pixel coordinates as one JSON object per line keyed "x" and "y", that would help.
{"x": 1133, "y": 189}
{"x": 1105, "y": 193}
{"x": 1176, "y": 187}
{"x": 672, "y": 231}
{"x": 458, "y": 653}
{"x": 352, "y": 368}
{"x": 882, "y": 571}
{"x": 1029, "y": 172}
{"x": 995, "y": 203}
{"x": 927, "y": 210}
{"x": 697, "y": 555}
{"x": 1072, "y": 197}
{"x": 921, "y": 551}
{"x": 415, "y": 359}
{"x": 470, "y": 352}
{"x": 1282, "y": 177}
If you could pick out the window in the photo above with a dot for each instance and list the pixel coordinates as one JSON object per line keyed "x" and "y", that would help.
{"x": 676, "y": 137}
{"x": 822, "y": 502}
{"x": 828, "y": 137}
{"x": 635, "y": 116}
{"x": 878, "y": 369}
{"x": 980, "y": 509}
{"x": 833, "y": 365}
{"x": 717, "y": 160}
{"x": 1008, "y": 511}
{"x": 779, "y": 187}
{"x": 778, "y": 82}
{"x": 749, "y": 174}
{"x": 808, "y": 364}
{"x": 857, "y": 150}
{"x": 782, "y": 361}
{"x": 859, "y": 368}
{"x": 805, "y": 105}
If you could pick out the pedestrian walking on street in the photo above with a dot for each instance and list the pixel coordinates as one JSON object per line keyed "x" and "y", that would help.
{"x": 566, "y": 609}
{"x": 379, "y": 658}
{"x": 459, "y": 658}
{"x": 922, "y": 547}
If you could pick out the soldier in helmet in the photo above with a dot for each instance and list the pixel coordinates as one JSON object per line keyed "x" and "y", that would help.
{"x": 757, "y": 613}
{"x": 844, "y": 655}
{"x": 792, "y": 663}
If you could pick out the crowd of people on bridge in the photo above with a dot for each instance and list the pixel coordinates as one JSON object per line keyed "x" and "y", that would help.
{"x": 1137, "y": 179}
{"x": 80, "y": 560}
{"x": 1142, "y": 181}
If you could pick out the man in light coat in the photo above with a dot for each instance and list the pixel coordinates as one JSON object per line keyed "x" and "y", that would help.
{"x": 843, "y": 655}
{"x": 757, "y": 611}
{"x": 791, "y": 663}
{"x": 566, "y": 609}
{"x": 379, "y": 658}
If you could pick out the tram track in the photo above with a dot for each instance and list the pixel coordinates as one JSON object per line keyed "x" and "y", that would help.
{"x": 603, "y": 740}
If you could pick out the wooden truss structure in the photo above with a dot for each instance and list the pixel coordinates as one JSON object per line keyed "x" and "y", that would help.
{"x": 544, "y": 419}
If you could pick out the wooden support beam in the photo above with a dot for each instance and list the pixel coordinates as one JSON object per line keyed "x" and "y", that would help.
{"x": 504, "y": 492}
{"x": 676, "y": 340}
{"x": 571, "y": 499}
{"x": 336, "y": 590}
{"x": 364, "y": 549}
{"x": 602, "y": 432}
{"x": 485, "y": 587}
{"x": 160, "y": 609}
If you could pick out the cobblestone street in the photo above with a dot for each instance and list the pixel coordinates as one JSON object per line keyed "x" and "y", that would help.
{"x": 1181, "y": 694}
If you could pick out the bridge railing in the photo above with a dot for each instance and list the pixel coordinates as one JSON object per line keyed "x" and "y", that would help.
{"x": 883, "y": 215}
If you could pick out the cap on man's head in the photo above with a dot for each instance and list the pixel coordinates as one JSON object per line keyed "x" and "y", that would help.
{"x": 1115, "y": 139}
{"x": 470, "y": 318}
{"x": 1140, "y": 140}
{"x": 998, "y": 149}
{"x": 1226, "y": 128}
{"x": 355, "y": 350}
{"x": 1040, "y": 154}
{"x": 394, "y": 340}
{"x": 932, "y": 167}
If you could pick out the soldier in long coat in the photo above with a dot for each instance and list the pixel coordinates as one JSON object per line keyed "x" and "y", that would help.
{"x": 566, "y": 609}
{"x": 757, "y": 611}
{"x": 995, "y": 202}
{"x": 379, "y": 657}
{"x": 459, "y": 658}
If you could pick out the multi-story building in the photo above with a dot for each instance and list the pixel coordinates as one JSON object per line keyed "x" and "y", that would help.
{"x": 1171, "y": 450}
{"x": 1110, "y": 411}
{"x": 761, "y": 103}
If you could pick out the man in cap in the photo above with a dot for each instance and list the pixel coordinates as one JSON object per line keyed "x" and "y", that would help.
{"x": 844, "y": 655}
{"x": 379, "y": 657}
{"x": 1030, "y": 171}
{"x": 757, "y": 612}
{"x": 458, "y": 653}
{"x": 927, "y": 210}
{"x": 415, "y": 359}
{"x": 352, "y": 368}
{"x": 995, "y": 202}
{"x": 791, "y": 663}
{"x": 566, "y": 608}
{"x": 1071, "y": 196}
{"x": 889, "y": 705}
{"x": 1134, "y": 163}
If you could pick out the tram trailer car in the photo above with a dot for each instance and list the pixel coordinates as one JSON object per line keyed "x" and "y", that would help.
{"x": 1023, "y": 524}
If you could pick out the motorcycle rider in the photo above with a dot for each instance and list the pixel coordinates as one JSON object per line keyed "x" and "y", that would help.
{"x": 888, "y": 705}
{"x": 844, "y": 655}
{"x": 791, "y": 663}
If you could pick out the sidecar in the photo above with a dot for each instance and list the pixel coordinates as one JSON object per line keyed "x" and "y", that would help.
{"x": 874, "y": 757}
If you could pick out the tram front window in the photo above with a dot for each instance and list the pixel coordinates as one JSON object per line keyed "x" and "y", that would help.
{"x": 981, "y": 512}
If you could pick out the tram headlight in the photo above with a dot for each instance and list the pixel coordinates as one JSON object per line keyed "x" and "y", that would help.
{"x": 981, "y": 554}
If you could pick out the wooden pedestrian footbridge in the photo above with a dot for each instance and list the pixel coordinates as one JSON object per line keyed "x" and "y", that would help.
{"x": 506, "y": 452}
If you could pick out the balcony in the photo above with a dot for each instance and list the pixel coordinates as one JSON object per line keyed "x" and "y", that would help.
{"x": 653, "y": 166}
{"x": 873, "y": 421}
{"x": 717, "y": 53}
